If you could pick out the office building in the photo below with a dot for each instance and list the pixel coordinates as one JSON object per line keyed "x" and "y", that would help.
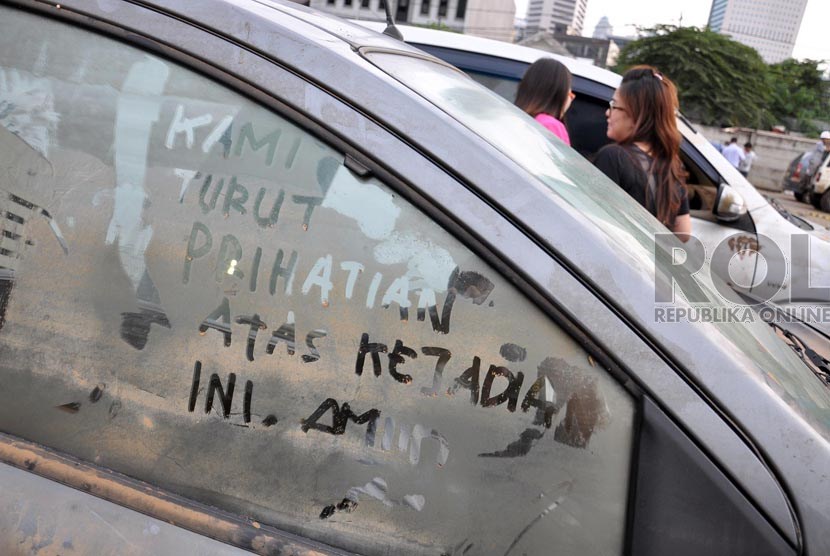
{"x": 556, "y": 16}
{"x": 600, "y": 52}
{"x": 492, "y": 19}
{"x": 768, "y": 26}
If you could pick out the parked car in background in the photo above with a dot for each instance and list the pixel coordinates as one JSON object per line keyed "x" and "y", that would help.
{"x": 803, "y": 172}
{"x": 272, "y": 282}
{"x": 726, "y": 208}
{"x": 799, "y": 175}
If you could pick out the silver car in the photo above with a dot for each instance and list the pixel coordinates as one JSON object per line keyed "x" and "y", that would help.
{"x": 275, "y": 283}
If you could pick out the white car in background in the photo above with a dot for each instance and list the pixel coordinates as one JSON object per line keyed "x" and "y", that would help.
{"x": 726, "y": 209}
{"x": 820, "y": 188}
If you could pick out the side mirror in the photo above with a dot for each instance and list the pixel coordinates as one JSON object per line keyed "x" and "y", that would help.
{"x": 729, "y": 205}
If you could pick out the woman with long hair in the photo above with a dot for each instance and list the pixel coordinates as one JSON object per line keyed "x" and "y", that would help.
{"x": 645, "y": 157}
{"x": 545, "y": 93}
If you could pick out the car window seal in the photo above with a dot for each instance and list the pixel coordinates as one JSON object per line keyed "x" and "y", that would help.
{"x": 686, "y": 121}
{"x": 151, "y": 500}
{"x": 365, "y": 50}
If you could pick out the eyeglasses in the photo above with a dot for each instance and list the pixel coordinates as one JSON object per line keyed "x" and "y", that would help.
{"x": 612, "y": 104}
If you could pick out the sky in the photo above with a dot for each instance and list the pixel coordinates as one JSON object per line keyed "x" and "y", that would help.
{"x": 812, "y": 42}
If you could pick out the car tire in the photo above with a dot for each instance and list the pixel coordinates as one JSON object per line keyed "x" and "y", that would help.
{"x": 799, "y": 196}
{"x": 824, "y": 202}
{"x": 815, "y": 200}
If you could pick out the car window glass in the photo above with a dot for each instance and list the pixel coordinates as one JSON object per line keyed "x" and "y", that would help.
{"x": 515, "y": 133}
{"x": 585, "y": 121}
{"x": 502, "y": 86}
{"x": 585, "y": 118}
{"x": 200, "y": 294}
{"x": 624, "y": 223}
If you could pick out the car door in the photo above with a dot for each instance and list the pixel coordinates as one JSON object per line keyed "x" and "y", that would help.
{"x": 238, "y": 295}
{"x": 819, "y": 187}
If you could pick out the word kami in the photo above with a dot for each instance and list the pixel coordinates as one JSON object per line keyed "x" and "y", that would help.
{"x": 222, "y": 134}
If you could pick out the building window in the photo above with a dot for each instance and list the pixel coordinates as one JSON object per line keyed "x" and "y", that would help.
{"x": 347, "y": 3}
{"x": 364, "y": 3}
{"x": 461, "y": 9}
{"x": 425, "y": 7}
{"x": 442, "y": 8}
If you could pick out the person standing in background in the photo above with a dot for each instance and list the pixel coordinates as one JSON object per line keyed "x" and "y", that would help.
{"x": 823, "y": 146}
{"x": 746, "y": 163}
{"x": 545, "y": 93}
{"x": 733, "y": 153}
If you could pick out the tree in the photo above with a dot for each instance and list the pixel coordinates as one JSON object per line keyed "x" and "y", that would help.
{"x": 436, "y": 25}
{"x": 719, "y": 81}
{"x": 797, "y": 93}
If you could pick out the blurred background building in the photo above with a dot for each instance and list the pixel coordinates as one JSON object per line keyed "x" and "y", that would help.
{"x": 556, "y": 16}
{"x": 492, "y": 19}
{"x": 603, "y": 29}
{"x": 768, "y": 26}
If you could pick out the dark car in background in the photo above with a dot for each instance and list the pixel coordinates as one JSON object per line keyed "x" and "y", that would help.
{"x": 796, "y": 178}
{"x": 800, "y": 173}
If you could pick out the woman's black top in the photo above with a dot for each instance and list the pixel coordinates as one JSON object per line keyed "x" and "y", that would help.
{"x": 627, "y": 166}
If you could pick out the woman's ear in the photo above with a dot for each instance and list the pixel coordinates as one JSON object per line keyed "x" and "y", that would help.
{"x": 568, "y": 100}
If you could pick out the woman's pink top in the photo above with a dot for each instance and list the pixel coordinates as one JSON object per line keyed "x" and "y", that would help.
{"x": 557, "y": 127}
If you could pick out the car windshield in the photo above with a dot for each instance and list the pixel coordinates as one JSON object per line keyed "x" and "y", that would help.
{"x": 624, "y": 224}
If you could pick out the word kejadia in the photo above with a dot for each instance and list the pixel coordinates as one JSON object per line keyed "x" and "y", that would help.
{"x": 480, "y": 384}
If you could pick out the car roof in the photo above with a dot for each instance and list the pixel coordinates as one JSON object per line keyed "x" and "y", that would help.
{"x": 500, "y": 49}
{"x": 355, "y": 35}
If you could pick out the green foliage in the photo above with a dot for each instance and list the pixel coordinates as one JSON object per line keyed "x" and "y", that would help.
{"x": 436, "y": 25}
{"x": 723, "y": 82}
{"x": 797, "y": 93}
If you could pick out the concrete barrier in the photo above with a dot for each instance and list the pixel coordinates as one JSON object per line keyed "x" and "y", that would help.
{"x": 775, "y": 152}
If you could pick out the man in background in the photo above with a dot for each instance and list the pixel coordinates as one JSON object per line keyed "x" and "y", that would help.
{"x": 819, "y": 153}
{"x": 733, "y": 153}
{"x": 749, "y": 157}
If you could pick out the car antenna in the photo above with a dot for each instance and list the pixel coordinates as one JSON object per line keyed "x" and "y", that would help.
{"x": 390, "y": 30}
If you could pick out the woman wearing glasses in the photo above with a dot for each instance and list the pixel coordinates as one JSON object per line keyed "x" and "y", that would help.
{"x": 645, "y": 157}
{"x": 545, "y": 93}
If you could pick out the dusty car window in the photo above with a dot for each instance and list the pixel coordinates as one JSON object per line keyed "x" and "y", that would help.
{"x": 621, "y": 221}
{"x": 199, "y": 294}
{"x": 502, "y": 86}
